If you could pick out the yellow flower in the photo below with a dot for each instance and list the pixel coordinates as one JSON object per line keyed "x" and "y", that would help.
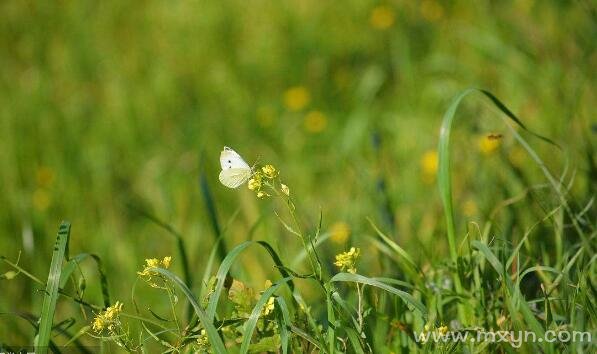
{"x": 44, "y": 176}
{"x": 382, "y": 17}
{"x": 315, "y": 122}
{"x": 269, "y": 171}
{"x": 41, "y": 199}
{"x": 262, "y": 195}
{"x": 429, "y": 164}
{"x": 296, "y": 98}
{"x": 99, "y": 323}
{"x": 346, "y": 261}
{"x": 469, "y": 208}
{"x": 488, "y": 144}
{"x": 269, "y": 307}
{"x": 254, "y": 183}
{"x": 443, "y": 330}
{"x": 113, "y": 311}
{"x": 285, "y": 189}
{"x": 431, "y": 10}
{"x": 203, "y": 341}
{"x": 108, "y": 318}
{"x": 339, "y": 232}
{"x": 154, "y": 263}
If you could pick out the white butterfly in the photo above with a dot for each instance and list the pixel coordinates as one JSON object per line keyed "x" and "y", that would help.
{"x": 235, "y": 171}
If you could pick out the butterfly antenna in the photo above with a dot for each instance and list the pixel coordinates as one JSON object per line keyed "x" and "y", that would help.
{"x": 256, "y": 163}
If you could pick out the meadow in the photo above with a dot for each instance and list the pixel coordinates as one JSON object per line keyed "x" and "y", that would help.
{"x": 420, "y": 167}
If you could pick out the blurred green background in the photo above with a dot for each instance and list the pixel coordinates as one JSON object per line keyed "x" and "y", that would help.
{"x": 114, "y": 105}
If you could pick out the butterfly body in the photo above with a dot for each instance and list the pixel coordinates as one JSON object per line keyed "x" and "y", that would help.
{"x": 235, "y": 171}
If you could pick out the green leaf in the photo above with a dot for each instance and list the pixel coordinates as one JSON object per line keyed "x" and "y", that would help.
{"x": 225, "y": 267}
{"x": 48, "y": 307}
{"x": 284, "y": 323}
{"x": 406, "y": 297}
{"x": 252, "y": 321}
{"x": 73, "y": 263}
{"x": 212, "y": 334}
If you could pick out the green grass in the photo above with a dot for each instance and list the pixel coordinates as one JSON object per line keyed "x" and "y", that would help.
{"x": 113, "y": 115}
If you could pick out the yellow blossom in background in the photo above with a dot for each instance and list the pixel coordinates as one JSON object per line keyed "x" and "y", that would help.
{"x": 262, "y": 195}
{"x": 431, "y": 10}
{"x": 382, "y": 17}
{"x": 443, "y": 330}
{"x": 296, "y": 98}
{"x": 285, "y": 189}
{"x": 429, "y": 165}
{"x": 152, "y": 262}
{"x": 269, "y": 171}
{"x": 315, "y": 122}
{"x": 339, "y": 232}
{"x": 469, "y": 208}
{"x": 44, "y": 176}
{"x": 488, "y": 145}
{"x": 166, "y": 262}
{"x": 346, "y": 261}
{"x": 40, "y": 199}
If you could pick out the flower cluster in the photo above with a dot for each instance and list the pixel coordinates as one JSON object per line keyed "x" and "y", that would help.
{"x": 268, "y": 307}
{"x": 442, "y": 330}
{"x": 346, "y": 261}
{"x": 203, "y": 341}
{"x": 108, "y": 319}
{"x": 149, "y": 268}
{"x": 265, "y": 177}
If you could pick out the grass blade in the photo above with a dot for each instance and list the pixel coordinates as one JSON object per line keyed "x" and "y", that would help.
{"x": 252, "y": 321}
{"x": 51, "y": 293}
{"x": 225, "y": 267}
{"x": 212, "y": 333}
{"x": 284, "y": 323}
{"x": 406, "y": 297}
{"x": 212, "y": 214}
{"x": 74, "y": 262}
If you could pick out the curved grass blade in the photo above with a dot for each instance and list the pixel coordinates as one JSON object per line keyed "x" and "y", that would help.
{"x": 212, "y": 213}
{"x": 51, "y": 293}
{"x": 212, "y": 333}
{"x": 405, "y": 260}
{"x": 406, "y": 297}
{"x": 73, "y": 263}
{"x": 225, "y": 267}
{"x": 299, "y": 332}
{"x": 354, "y": 340}
{"x": 252, "y": 321}
{"x": 514, "y": 299}
{"x": 444, "y": 175}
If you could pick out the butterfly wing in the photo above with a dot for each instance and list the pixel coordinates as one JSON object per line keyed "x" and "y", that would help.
{"x": 234, "y": 177}
{"x": 235, "y": 171}
{"x": 231, "y": 159}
